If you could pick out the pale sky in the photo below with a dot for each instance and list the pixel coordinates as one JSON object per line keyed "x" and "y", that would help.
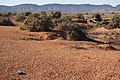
{"x": 41, "y": 2}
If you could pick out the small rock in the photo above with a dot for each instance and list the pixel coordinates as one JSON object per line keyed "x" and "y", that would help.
{"x": 20, "y": 72}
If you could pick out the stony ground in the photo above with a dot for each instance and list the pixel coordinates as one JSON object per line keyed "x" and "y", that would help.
{"x": 54, "y": 59}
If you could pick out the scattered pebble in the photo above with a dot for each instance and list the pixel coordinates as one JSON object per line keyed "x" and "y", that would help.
{"x": 20, "y": 72}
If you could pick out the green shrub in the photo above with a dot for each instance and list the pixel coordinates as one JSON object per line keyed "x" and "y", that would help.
{"x": 55, "y": 14}
{"x": 71, "y": 30}
{"x": 115, "y": 22}
{"x": 116, "y": 18}
{"x": 103, "y": 24}
{"x": 97, "y": 17}
{"x": 55, "y": 17}
{"x": 38, "y": 23}
{"x": 20, "y": 17}
{"x": 58, "y": 22}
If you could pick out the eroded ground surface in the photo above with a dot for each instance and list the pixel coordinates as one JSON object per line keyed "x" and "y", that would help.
{"x": 54, "y": 59}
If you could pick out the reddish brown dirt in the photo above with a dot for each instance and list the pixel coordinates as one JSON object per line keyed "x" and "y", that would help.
{"x": 54, "y": 59}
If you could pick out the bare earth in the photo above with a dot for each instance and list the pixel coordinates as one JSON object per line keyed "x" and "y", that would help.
{"x": 54, "y": 59}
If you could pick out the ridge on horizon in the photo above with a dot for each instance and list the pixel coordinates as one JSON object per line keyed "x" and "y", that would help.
{"x": 59, "y": 7}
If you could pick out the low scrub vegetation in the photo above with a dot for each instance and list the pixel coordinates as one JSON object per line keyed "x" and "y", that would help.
{"x": 43, "y": 21}
{"x": 55, "y": 14}
{"x": 5, "y": 21}
{"x": 38, "y": 22}
{"x": 115, "y": 23}
{"x": 79, "y": 18}
{"x": 20, "y": 17}
{"x": 6, "y": 14}
{"x": 71, "y": 30}
{"x": 69, "y": 25}
{"x": 111, "y": 24}
{"x": 97, "y": 17}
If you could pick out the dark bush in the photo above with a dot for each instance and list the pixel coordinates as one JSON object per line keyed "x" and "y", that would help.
{"x": 116, "y": 18}
{"x": 103, "y": 24}
{"x": 27, "y": 13}
{"x": 55, "y": 14}
{"x": 97, "y": 17}
{"x": 5, "y": 21}
{"x": 20, "y": 17}
{"x": 5, "y": 14}
{"x": 43, "y": 14}
{"x": 55, "y": 17}
{"x": 71, "y": 30}
{"x": 115, "y": 22}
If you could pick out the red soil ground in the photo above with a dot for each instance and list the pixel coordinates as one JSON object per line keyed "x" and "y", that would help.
{"x": 54, "y": 59}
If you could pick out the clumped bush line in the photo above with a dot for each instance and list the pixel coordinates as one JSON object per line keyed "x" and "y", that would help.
{"x": 38, "y": 22}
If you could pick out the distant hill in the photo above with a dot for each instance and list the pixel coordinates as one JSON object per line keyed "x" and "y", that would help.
{"x": 118, "y": 7}
{"x": 59, "y": 7}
